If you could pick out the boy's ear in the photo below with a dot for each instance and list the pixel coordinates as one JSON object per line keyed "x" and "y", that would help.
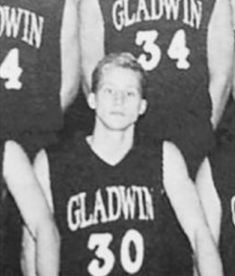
{"x": 143, "y": 107}
{"x": 91, "y": 100}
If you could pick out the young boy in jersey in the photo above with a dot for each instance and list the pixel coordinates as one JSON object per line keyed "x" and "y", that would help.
{"x": 33, "y": 208}
{"x": 187, "y": 49}
{"x": 39, "y": 76}
{"x": 109, "y": 193}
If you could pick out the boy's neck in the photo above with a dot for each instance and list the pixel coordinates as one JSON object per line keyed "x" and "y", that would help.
{"x": 111, "y": 146}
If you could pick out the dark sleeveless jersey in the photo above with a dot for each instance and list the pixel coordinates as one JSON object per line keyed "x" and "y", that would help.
{"x": 30, "y": 74}
{"x": 169, "y": 38}
{"x": 112, "y": 219}
{"x": 30, "y": 81}
{"x": 223, "y": 168}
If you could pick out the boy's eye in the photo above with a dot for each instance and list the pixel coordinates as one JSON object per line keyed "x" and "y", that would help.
{"x": 131, "y": 93}
{"x": 108, "y": 90}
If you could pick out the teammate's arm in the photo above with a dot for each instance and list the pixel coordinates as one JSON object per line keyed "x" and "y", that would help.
{"x": 91, "y": 39}
{"x": 233, "y": 15}
{"x": 70, "y": 53}
{"x": 21, "y": 181}
{"x": 220, "y": 57}
{"x": 209, "y": 198}
{"x": 42, "y": 171}
{"x": 41, "y": 168}
{"x": 185, "y": 202}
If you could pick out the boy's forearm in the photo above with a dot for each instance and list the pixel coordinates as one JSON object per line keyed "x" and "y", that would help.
{"x": 48, "y": 250}
{"x": 207, "y": 258}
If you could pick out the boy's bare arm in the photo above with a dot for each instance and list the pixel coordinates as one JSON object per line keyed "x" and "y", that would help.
{"x": 185, "y": 202}
{"x": 70, "y": 53}
{"x": 209, "y": 198}
{"x": 91, "y": 39}
{"x": 220, "y": 49}
{"x": 22, "y": 183}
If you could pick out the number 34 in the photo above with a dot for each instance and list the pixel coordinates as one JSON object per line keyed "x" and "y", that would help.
{"x": 100, "y": 243}
{"x": 152, "y": 52}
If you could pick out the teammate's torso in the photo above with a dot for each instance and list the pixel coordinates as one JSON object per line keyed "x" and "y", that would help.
{"x": 168, "y": 37}
{"x": 110, "y": 217}
{"x": 30, "y": 74}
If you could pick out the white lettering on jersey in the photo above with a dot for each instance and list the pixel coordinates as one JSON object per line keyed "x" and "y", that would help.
{"x": 187, "y": 11}
{"x": 77, "y": 211}
{"x": 99, "y": 210}
{"x": 128, "y": 203}
{"x": 21, "y": 24}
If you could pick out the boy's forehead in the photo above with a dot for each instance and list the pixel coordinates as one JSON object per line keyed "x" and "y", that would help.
{"x": 122, "y": 77}
{"x": 122, "y": 71}
{"x": 117, "y": 76}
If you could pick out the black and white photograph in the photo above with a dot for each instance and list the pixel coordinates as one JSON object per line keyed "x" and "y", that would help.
{"x": 117, "y": 137}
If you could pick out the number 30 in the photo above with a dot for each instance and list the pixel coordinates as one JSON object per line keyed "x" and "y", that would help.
{"x": 100, "y": 242}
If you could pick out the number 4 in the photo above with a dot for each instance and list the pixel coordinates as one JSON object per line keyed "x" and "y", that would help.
{"x": 10, "y": 70}
{"x": 178, "y": 50}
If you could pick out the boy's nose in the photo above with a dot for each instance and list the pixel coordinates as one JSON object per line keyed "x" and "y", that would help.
{"x": 119, "y": 97}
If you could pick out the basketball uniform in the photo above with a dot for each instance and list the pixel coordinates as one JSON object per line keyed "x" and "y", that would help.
{"x": 30, "y": 76}
{"x": 112, "y": 219}
{"x": 223, "y": 170}
{"x": 169, "y": 38}
{"x": 30, "y": 80}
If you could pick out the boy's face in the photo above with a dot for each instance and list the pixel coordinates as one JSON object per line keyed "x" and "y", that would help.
{"x": 118, "y": 101}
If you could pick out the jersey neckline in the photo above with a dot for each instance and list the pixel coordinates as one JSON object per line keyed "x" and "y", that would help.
{"x": 104, "y": 162}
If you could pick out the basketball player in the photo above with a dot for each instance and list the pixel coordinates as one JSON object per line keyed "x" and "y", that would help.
{"x": 39, "y": 75}
{"x": 33, "y": 208}
{"x": 108, "y": 193}
{"x": 187, "y": 48}
{"x": 215, "y": 183}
